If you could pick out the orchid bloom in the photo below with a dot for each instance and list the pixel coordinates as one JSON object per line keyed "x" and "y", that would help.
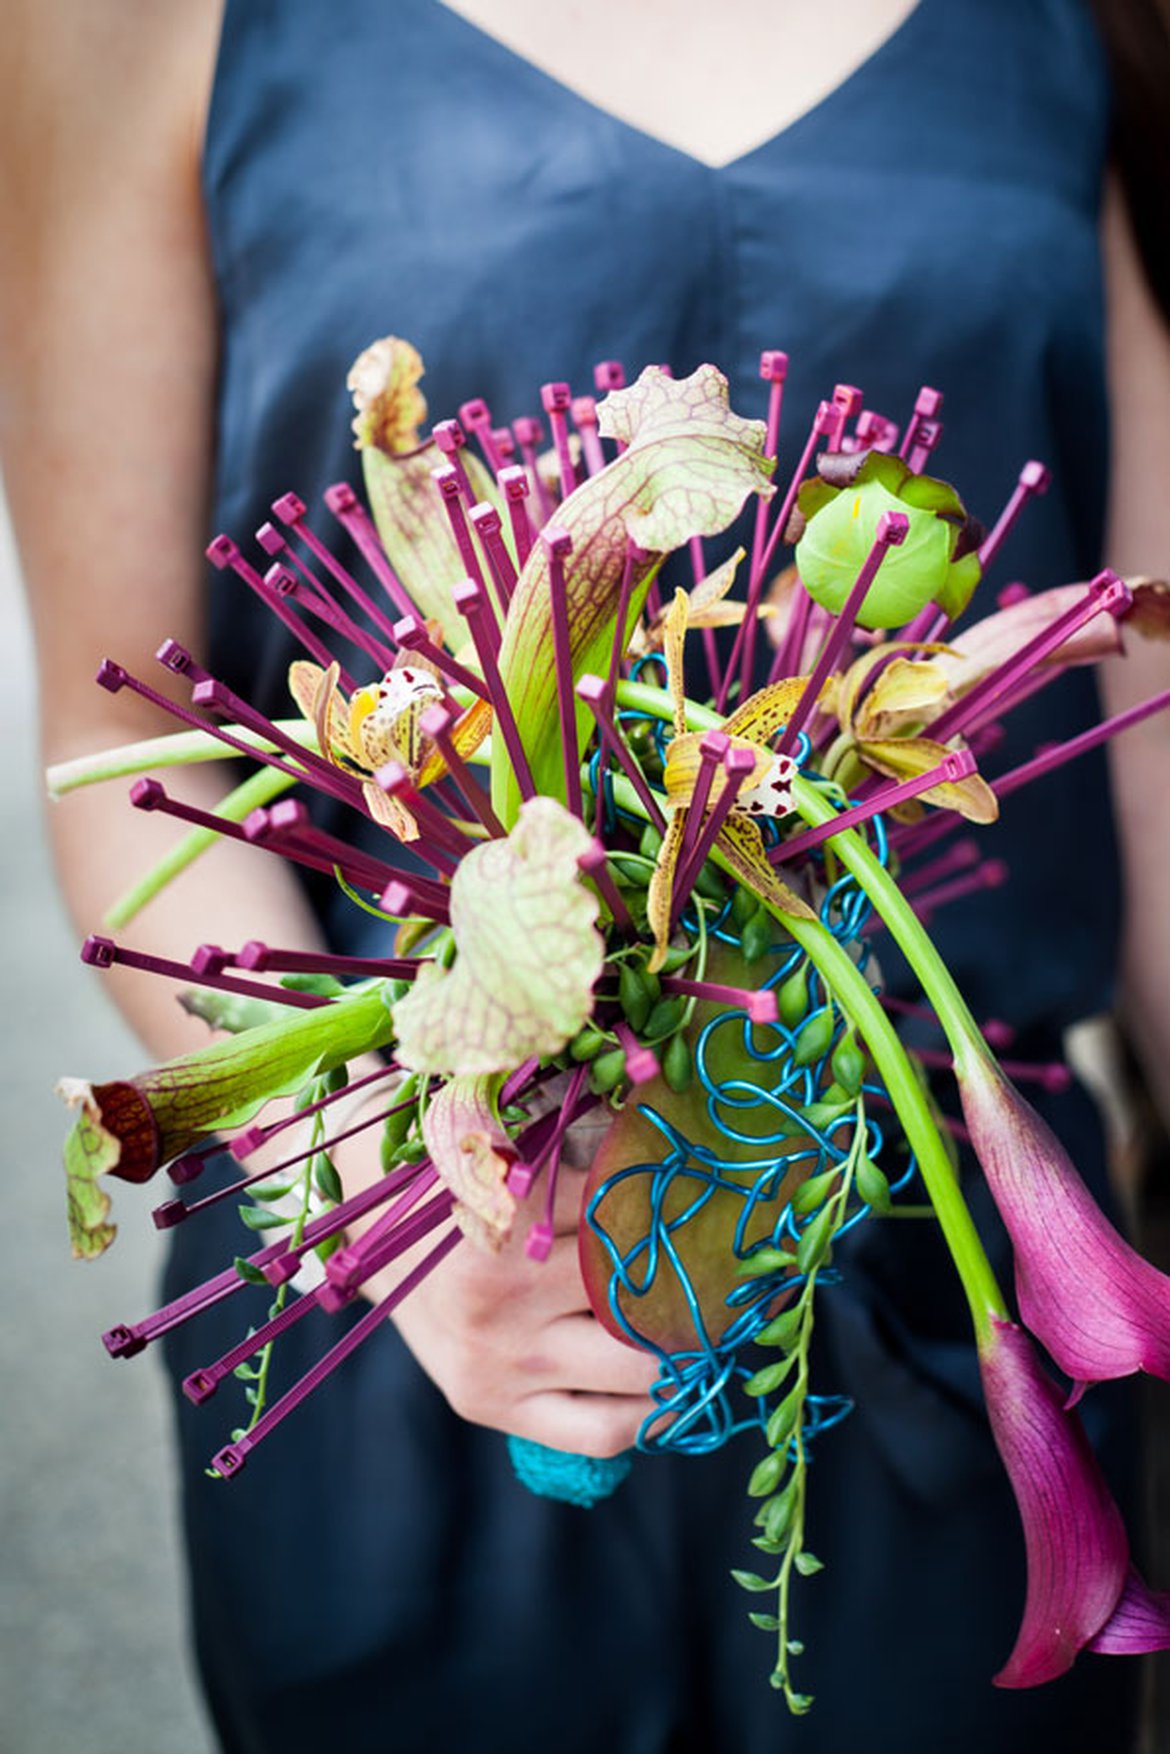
{"x": 383, "y": 723}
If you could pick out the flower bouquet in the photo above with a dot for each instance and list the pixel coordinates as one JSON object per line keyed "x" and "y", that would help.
{"x": 629, "y": 892}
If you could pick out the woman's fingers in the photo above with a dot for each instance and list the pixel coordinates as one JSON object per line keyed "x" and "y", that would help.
{"x": 589, "y": 1425}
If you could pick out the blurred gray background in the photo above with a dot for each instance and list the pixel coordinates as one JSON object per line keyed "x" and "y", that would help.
{"x": 92, "y": 1652}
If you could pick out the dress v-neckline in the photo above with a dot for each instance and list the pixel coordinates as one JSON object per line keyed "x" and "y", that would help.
{"x": 537, "y": 75}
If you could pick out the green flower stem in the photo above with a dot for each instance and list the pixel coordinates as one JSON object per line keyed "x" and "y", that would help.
{"x": 861, "y": 1006}
{"x": 180, "y": 750}
{"x": 938, "y": 983}
{"x": 259, "y": 788}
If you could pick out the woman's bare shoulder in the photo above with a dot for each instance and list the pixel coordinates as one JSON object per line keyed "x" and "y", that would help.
{"x": 89, "y": 84}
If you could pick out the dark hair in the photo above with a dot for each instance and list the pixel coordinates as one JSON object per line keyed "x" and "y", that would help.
{"x": 1136, "y": 34}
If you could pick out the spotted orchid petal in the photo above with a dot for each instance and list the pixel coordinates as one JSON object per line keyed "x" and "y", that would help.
{"x": 1089, "y": 1298}
{"x": 1075, "y": 1539}
{"x": 528, "y": 953}
{"x": 130, "y": 1127}
{"x": 688, "y": 466}
{"x": 473, "y": 1154}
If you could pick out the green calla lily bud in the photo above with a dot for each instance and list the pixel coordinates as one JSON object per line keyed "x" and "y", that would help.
{"x": 838, "y": 518}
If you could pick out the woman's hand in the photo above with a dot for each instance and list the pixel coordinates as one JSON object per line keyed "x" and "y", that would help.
{"x": 512, "y": 1343}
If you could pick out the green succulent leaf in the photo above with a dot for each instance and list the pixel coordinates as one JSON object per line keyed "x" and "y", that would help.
{"x": 527, "y": 953}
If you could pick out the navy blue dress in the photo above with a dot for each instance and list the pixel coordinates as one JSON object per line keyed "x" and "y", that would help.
{"x": 377, "y": 1576}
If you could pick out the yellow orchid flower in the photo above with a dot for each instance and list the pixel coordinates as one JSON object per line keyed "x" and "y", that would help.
{"x": 764, "y": 790}
{"x": 882, "y": 729}
{"x": 381, "y": 723}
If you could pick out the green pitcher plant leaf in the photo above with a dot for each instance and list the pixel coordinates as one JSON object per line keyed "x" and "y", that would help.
{"x": 688, "y": 467}
{"x": 130, "y": 1127}
{"x": 527, "y": 953}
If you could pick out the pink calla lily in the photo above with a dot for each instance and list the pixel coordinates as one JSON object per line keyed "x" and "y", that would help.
{"x": 1140, "y": 1622}
{"x": 1076, "y": 1543}
{"x": 1097, "y": 1307}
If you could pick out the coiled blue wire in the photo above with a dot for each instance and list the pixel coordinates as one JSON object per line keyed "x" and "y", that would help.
{"x": 697, "y": 1397}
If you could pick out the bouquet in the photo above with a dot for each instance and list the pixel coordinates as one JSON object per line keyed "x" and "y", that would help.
{"x": 630, "y": 892}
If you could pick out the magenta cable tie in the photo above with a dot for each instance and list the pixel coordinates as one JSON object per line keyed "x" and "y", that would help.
{"x": 558, "y": 545}
{"x": 927, "y": 406}
{"x": 609, "y": 374}
{"x": 596, "y": 695}
{"x": 990, "y": 874}
{"x": 891, "y": 533}
{"x": 759, "y": 573}
{"x": 958, "y": 765}
{"x": 318, "y": 603}
{"x": 395, "y": 1232}
{"x": 584, "y": 412}
{"x": 449, "y": 438}
{"x": 412, "y": 636}
{"x": 515, "y": 488}
{"x": 104, "y": 953}
{"x": 261, "y": 958}
{"x": 286, "y": 826}
{"x": 222, "y": 552}
{"x": 594, "y": 864}
{"x": 202, "y": 1383}
{"x": 641, "y": 1062}
{"x": 215, "y": 696}
{"x": 1034, "y": 480}
{"x": 416, "y": 898}
{"x": 345, "y": 506}
{"x": 929, "y": 434}
{"x": 1106, "y": 593}
{"x": 485, "y": 521}
{"x": 516, "y": 1080}
{"x": 249, "y": 1139}
{"x": 555, "y": 400}
{"x": 738, "y": 765}
{"x": 231, "y": 1459}
{"x": 436, "y": 722}
{"x": 1046, "y": 760}
{"x": 529, "y": 434}
{"x": 759, "y": 1003}
{"x": 128, "y": 1338}
{"x": 713, "y": 747}
{"x": 114, "y": 677}
{"x": 448, "y": 481}
{"x": 442, "y": 844}
{"x": 960, "y": 857}
{"x": 476, "y": 418}
{"x": 773, "y": 371}
{"x": 286, "y": 1263}
{"x": 471, "y": 602}
{"x": 292, "y": 512}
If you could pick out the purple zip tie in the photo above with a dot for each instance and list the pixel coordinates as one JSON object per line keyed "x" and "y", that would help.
{"x": 230, "y": 1460}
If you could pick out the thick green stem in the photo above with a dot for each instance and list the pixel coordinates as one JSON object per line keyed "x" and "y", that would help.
{"x": 179, "y": 750}
{"x": 938, "y": 983}
{"x": 861, "y": 1006}
{"x": 259, "y": 788}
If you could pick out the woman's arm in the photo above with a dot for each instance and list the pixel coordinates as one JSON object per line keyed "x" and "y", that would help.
{"x": 1138, "y": 541}
{"x": 108, "y": 353}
